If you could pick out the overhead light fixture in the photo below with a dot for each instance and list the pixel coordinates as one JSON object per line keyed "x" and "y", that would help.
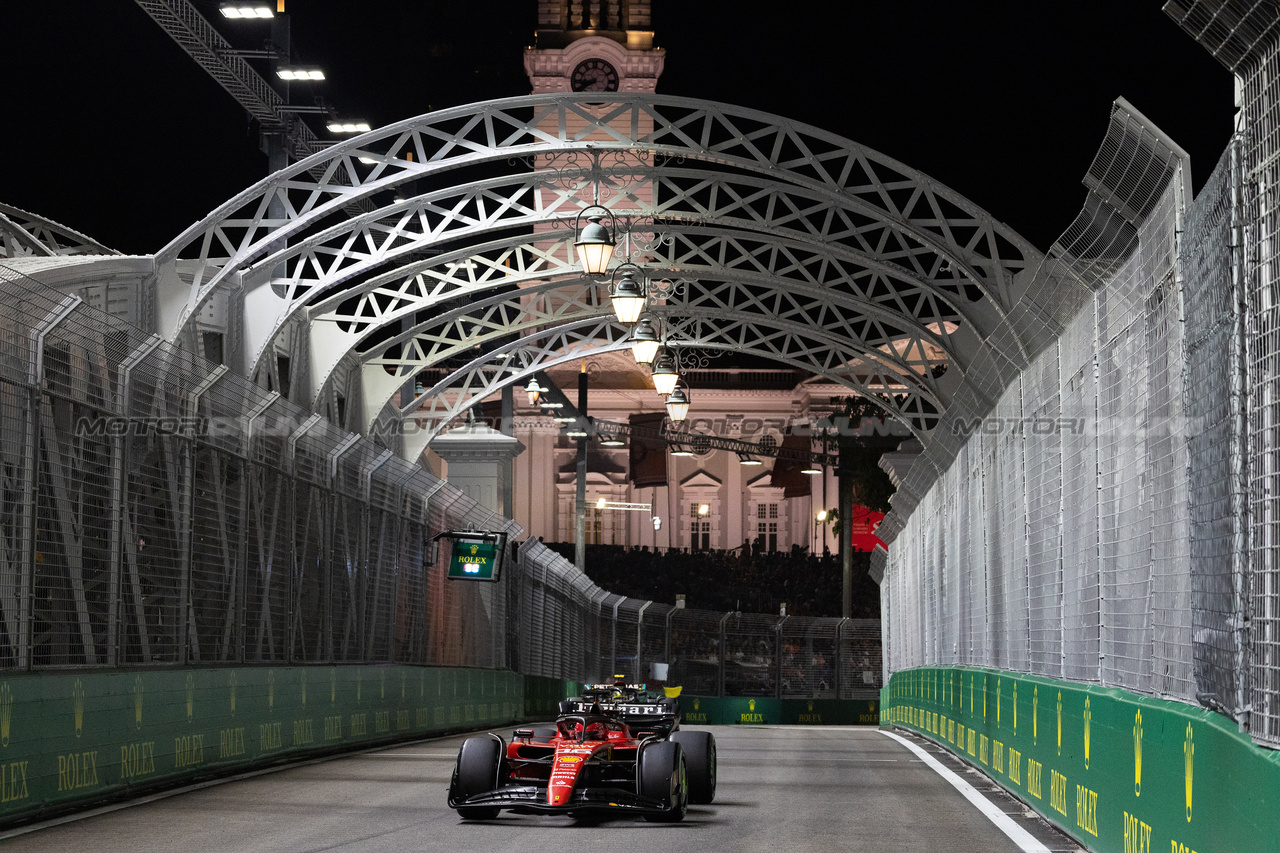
{"x": 704, "y": 509}
{"x": 348, "y": 127}
{"x": 822, "y": 515}
{"x": 549, "y": 404}
{"x": 593, "y": 242}
{"x": 681, "y": 450}
{"x": 246, "y": 10}
{"x": 612, "y": 441}
{"x": 627, "y": 295}
{"x": 534, "y": 390}
{"x": 576, "y": 433}
{"x": 748, "y": 459}
{"x": 664, "y": 371}
{"x": 644, "y": 341}
{"x": 600, "y": 504}
{"x": 565, "y": 419}
{"x": 810, "y": 468}
{"x": 678, "y": 402}
{"x": 299, "y": 74}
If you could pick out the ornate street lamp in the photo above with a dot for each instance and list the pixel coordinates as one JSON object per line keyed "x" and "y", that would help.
{"x": 678, "y": 402}
{"x": 664, "y": 371}
{"x": 534, "y": 390}
{"x": 644, "y": 341}
{"x": 627, "y": 294}
{"x": 593, "y": 242}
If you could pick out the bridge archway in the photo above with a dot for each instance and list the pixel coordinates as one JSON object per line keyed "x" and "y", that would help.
{"x": 392, "y": 254}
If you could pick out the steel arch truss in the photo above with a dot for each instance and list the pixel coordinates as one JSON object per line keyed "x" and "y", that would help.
{"x": 24, "y": 234}
{"x": 815, "y": 250}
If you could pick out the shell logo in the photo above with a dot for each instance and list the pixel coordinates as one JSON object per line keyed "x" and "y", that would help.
{"x": 570, "y": 759}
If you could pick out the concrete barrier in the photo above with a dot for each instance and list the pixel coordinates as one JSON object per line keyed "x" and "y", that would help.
{"x": 1117, "y": 771}
{"x": 72, "y": 739}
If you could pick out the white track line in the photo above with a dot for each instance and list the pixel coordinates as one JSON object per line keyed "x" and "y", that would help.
{"x": 1002, "y": 821}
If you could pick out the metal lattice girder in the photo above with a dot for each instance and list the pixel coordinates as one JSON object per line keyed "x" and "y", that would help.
{"x": 901, "y": 205}
{"x": 25, "y": 234}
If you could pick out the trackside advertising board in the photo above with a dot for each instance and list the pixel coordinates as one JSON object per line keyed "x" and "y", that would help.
{"x": 476, "y": 558}
{"x": 1118, "y": 771}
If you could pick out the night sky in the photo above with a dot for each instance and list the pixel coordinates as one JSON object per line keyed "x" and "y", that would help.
{"x": 114, "y": 131}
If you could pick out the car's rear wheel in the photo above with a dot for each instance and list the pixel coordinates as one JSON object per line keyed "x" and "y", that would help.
{"x": 477, "y": 773}
{"x": 700, "y": 760}
{"x": 663, "y": 777}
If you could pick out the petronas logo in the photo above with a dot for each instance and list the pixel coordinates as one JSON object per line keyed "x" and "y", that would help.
{"x": 1088, "y": 725}
{"x": 1137, "y": 753}
{"x": 271, "y": 690}
{"x": 303, "y": 677}
{"x": 232, "y": 681}
{"x": 77, "y": 702}
{"x": 191, "y": 696}
{"x": 1189, "y": 755}
{"x": 6, "y": 713}
{"x": 137, "y": 701}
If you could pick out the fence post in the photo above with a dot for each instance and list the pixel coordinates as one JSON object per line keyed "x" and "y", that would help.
{"x": 189, "y": 507}
{"x": 35, "y": 382}
{"x": 724, "y": 653}
{"x": 640, "y": 639}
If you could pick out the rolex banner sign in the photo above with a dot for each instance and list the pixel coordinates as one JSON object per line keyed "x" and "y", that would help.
{"x": 476, "y": 558}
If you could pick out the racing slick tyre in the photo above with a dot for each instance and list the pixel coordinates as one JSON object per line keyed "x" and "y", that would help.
{"x": 662, "y": 777}
{"x": 700, "y": 761}
{"x": 477, "y": 773}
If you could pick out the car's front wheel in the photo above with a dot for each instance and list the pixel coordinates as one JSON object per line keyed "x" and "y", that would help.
{"x": 477, "y": 773}
{"x": 663, "y": 777}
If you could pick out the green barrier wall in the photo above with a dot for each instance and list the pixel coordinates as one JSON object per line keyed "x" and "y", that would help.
{"x": 1118, "y": 771}
{"x": 714, "y": 711}
{"x": 73, "y": 738}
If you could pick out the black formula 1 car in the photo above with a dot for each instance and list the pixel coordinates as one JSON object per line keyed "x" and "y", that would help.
{"x": 589, "y": 763}
{"x": 644, "y": 712}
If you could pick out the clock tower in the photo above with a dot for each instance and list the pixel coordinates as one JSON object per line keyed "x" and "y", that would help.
{"x": 593, "y": 46}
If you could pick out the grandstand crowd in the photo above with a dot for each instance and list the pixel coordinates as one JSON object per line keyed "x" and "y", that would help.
{"x": 742, "y": 579}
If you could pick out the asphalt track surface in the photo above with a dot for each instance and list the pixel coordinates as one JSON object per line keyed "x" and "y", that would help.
{"x": 782, "y": 789}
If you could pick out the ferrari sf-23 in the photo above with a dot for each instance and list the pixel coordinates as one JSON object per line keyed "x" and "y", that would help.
{"x": 591, "y": 763}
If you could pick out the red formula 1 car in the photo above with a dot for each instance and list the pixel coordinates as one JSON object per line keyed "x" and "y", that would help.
{"x": 590, "y": 763}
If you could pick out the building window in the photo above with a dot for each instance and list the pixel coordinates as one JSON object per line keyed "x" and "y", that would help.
{"x": 766, "y": 527}
{"x": 699, "y": 528}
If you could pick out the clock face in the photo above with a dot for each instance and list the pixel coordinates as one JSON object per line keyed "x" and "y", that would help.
{"x": 594, "y": 75}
